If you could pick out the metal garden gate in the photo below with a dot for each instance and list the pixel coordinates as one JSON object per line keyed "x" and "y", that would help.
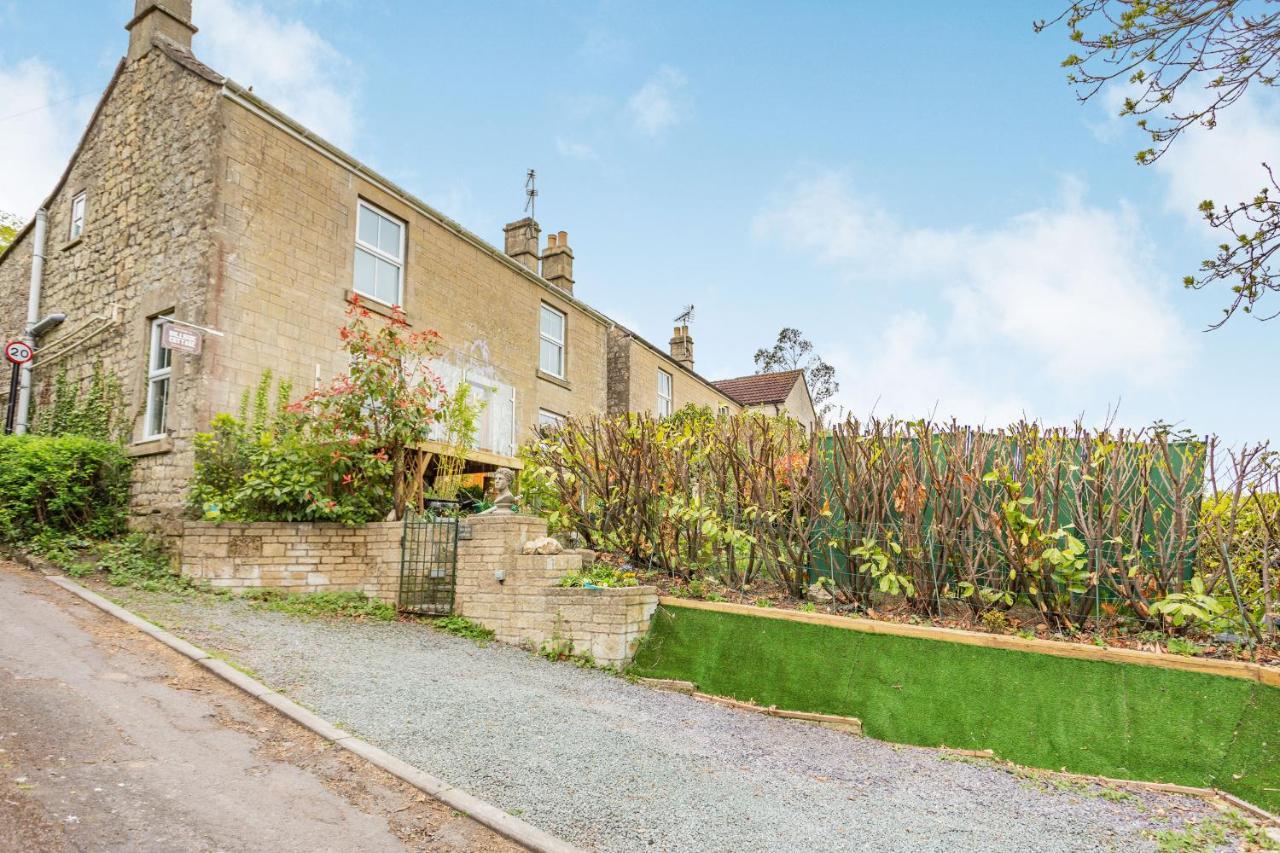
{"x": 428, "y": 564}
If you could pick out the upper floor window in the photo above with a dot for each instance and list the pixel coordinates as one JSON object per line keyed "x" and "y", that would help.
{"x": 77, "y": 215}
{"x": 159, "y": 371}
{"x": 379, "y": 255}
{"x": 664, "y": 393}
{"x": 724, "y": 411}
{"x": 551, "y": 341}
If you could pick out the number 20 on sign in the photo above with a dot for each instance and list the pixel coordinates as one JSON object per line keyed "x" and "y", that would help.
{"x": 18, "y": 352}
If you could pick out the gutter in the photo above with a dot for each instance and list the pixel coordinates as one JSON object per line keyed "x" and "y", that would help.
{"x": 33, "y": 317}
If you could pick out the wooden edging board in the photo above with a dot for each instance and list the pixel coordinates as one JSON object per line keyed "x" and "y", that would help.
{"x": 1080, "y": 651}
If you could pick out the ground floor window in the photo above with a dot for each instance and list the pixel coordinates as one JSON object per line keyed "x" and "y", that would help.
{"x": 549, "y": 419}
{"x": 159, "y": 374}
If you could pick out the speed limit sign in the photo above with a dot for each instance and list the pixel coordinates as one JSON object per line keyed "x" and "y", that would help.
{"x": 18, "y": 352}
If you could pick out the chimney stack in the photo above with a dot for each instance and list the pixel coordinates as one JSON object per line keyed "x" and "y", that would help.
{"x": 152, "y": 18}
{"x": 557, "y": 261}
{"x": 522, "y": 241}
{"x": 682, "y": 347}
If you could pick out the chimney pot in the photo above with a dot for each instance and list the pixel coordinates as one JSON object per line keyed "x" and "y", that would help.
{"x": 551, "y": 241}
{"x": 564, "y": 238}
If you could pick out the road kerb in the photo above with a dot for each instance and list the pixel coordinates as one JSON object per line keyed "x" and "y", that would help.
{"x": 505, "y": 824}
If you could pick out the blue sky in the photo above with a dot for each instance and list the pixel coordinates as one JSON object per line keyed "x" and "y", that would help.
{"x": 912, "y": 185}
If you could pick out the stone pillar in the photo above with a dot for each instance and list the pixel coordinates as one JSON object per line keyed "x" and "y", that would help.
{"x": 151, "y": 18}
{"x": 557, "y": 261}
{"x": 521, "y": 243}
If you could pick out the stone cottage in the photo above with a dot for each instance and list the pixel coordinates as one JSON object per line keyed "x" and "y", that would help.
{"x": 782, "y": 393}
{"x": 191, "y": 204}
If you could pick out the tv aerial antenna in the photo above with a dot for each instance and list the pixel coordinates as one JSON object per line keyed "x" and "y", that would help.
{"x": 531, "y": 198}
{"x": 685, "y": 317}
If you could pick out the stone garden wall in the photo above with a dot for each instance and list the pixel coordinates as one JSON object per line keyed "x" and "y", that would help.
{"x": 514, "y": 594}
{"x": 297, "y": 556}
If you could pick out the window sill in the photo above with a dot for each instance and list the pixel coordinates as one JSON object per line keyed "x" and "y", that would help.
{"x": 374, "y": 306}
{"x": 150, "y": 446}
{"x": 71, "y": 244}
{"x": 555, "y": 380}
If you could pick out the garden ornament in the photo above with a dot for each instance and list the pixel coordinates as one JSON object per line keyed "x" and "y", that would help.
{"x": 503, "y": 500}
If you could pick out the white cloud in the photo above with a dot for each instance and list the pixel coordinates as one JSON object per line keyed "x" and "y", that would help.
{"x": 906, "y": 371}
{"x": 1224, "y": 163}
{"x": 285, "y": 62}
{"x": 575, "y": 150}
{"x": 39, "y": 127}
{"x": 1068, "y": 293}
{"x": 660, "y": 103}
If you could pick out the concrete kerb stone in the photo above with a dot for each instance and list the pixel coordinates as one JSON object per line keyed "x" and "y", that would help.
{"x": 507, "y": 825}
{"x": 233, "y": 676}
{"x": 395, "y": 766}
{"x": 178, "y": 645}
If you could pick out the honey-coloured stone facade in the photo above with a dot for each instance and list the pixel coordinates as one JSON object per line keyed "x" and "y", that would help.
{"x": 206, "y": 203}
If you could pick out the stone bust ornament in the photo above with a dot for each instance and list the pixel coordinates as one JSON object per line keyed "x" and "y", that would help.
{"x": 503, "y": 500}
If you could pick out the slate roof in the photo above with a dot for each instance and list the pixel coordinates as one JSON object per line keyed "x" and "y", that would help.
{"x": 761, "y": 387}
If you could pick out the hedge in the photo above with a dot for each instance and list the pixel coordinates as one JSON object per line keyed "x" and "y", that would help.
{"x": 64, "y": 484}
{"x": 1109, "y": 719}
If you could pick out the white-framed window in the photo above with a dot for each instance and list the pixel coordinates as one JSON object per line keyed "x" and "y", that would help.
{"x": 77, "y": 215}
{"x": 551, "y": 341}
{"x": 159, "y": 372}
{"x": 379, "y": 255}
{"x": 549, "y": 419}
{"x": 724, "y": 411}
{"x": 664, "y": 393}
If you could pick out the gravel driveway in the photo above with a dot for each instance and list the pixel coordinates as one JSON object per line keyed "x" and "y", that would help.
{"x": 610, "y": 765}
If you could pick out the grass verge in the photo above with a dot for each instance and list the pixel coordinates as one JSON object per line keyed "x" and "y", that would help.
{"x": 1128, "y": 722}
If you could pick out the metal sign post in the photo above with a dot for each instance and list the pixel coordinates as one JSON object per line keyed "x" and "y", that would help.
{"x": 17, "y": 353}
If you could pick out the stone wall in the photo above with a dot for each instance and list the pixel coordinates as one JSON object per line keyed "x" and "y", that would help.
{"x": 527, "y": 607}
{"x": 514, "y": 594}
{"x": 145, "y": 165}
{"x": 296, "y": 556}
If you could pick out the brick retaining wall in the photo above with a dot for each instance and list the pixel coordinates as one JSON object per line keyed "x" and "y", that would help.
{"x": 525, "y": 607}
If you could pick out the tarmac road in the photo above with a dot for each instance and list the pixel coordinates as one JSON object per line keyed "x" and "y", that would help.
{"x": 111, "y": 741}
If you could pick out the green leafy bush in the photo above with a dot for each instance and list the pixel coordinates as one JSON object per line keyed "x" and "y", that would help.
{"x": 349, "y": 604}
{"x": 66, "y": 484}
{"x": 140, "y": 561}
{"x": 461, "y": 626}
{"x": 92, "y": 409}
{"x": 270, "y": 464}
{"x": 346, "y": 452}
{"x": 599, "y": 575}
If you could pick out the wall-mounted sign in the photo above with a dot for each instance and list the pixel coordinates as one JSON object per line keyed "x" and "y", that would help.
{"x": 18, "y": 352}
{"x": 182, "y": 338}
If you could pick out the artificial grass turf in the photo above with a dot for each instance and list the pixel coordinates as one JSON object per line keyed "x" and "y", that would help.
{"x": 1118, "y": 720}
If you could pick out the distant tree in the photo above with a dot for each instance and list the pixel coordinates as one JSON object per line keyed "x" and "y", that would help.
{"x": 10, "y": 225}
{"x": 794, "y": 352}
{"x": 1183, "y": 61}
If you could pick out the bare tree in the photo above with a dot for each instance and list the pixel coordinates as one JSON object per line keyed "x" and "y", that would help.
{"x": 1184, "y": 61}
